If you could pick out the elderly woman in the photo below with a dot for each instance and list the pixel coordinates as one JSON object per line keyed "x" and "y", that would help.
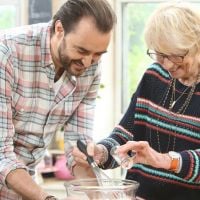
{"x": 162, "y": 124}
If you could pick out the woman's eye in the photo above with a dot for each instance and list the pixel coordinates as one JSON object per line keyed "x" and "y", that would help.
{"x": 159, "y": 57}
{"x": 175, "y": 58}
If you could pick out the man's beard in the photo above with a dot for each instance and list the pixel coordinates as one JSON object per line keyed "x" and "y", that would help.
{"x": 67, "y": 62}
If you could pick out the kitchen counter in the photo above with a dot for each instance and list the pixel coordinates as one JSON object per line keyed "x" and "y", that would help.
{"x": 54, "y": 187}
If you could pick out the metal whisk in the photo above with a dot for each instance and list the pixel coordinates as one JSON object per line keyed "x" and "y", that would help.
{"x": 102, "y": 178}
{"x": 97, "y": 171}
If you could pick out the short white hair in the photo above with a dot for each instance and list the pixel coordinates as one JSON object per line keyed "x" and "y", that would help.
{"x": 173, "y": 28}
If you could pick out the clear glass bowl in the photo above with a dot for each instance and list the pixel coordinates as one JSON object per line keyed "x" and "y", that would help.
{"x": 89, "y": 189}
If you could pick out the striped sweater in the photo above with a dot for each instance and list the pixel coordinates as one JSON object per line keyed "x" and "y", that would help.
{"x": 146, "y": 116}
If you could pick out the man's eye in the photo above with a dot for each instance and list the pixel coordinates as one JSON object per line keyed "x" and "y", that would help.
{"x": 98, "y": 54}
{"x": 83, "y": 52}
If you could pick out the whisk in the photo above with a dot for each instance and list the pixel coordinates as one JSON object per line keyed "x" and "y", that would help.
{"x": 100, "y": 175}
{"x": 102, "y": 178}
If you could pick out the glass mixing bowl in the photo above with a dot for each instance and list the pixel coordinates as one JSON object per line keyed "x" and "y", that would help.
{"x": 89, "y": 189}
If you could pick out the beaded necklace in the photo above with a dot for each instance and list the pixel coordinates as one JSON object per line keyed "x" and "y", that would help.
{"x": 172, "y": 102}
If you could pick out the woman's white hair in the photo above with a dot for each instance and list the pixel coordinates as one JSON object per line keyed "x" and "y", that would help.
{"x": 173, "y": 28}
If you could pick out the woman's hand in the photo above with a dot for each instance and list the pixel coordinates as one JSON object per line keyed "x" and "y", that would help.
{"x": 145, "y": 154}
{"x": 93, "y": 150}
{"x": 82, "y": 169}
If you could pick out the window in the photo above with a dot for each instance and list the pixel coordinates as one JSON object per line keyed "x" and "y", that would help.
{"x": 131, "y": 50}
{"x": 9, "y": 13}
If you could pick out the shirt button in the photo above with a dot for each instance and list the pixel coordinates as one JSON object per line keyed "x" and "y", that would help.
{"x": 21, "y": 110}
{"x": 50, "y": 86}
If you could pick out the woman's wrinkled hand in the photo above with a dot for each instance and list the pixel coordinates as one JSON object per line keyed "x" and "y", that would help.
{"x": 82, "y": 168}
{"x": 144, "y": 154}
{"x": 92, "y": 150}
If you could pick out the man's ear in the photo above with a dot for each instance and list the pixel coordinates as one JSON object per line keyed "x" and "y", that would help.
{"x": 59, "y": 30}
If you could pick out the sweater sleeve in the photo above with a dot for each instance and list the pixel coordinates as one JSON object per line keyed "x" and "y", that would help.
{"x": 190, "y": 170}
{"x": 122, "y": 133}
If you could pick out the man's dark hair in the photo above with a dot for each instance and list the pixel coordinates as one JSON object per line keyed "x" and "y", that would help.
{"x": 73, "y": 11}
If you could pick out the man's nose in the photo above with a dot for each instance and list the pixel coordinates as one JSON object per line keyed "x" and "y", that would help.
{"x": 87, "y": 61}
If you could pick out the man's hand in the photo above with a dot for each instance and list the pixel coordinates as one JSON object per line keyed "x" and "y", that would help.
{"x": 22, "y": 183}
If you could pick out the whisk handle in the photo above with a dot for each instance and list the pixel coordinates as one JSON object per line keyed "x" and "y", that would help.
{"x": 83, "y": 148}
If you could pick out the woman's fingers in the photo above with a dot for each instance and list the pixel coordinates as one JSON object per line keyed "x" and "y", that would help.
{"x": 133, "y": 146}
{"x": 79, "y": 156}
{"x": 144, "y": 154}
{"x": 141, "y": 150}
{"x": 91, "y": 148}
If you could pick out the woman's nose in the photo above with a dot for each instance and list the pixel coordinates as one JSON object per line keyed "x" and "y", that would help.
{"x": 167, "y": 64}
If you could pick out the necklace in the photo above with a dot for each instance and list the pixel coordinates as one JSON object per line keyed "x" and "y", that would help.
{"x": 172, "y": 102}
{"x": 184, "y": 106}
{"x": 173, "y": 99}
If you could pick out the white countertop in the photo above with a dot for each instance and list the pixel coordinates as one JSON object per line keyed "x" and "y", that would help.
{"x": 54, "y": 187}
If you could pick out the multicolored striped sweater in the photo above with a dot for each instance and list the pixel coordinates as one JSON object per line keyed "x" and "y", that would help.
{"x": 146, "y": 116}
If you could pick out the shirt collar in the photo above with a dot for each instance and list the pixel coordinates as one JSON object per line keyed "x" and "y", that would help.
{"x": 46, "y": 58}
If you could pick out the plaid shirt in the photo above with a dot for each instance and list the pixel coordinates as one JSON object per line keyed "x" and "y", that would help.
{"x": 30, "y": 111}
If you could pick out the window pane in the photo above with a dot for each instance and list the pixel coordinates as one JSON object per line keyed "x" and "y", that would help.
{"x": 134, "y": 59}
{"x": 7, "y": 16}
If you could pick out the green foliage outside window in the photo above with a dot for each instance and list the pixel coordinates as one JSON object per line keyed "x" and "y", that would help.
{"x": 138, "y": 61}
